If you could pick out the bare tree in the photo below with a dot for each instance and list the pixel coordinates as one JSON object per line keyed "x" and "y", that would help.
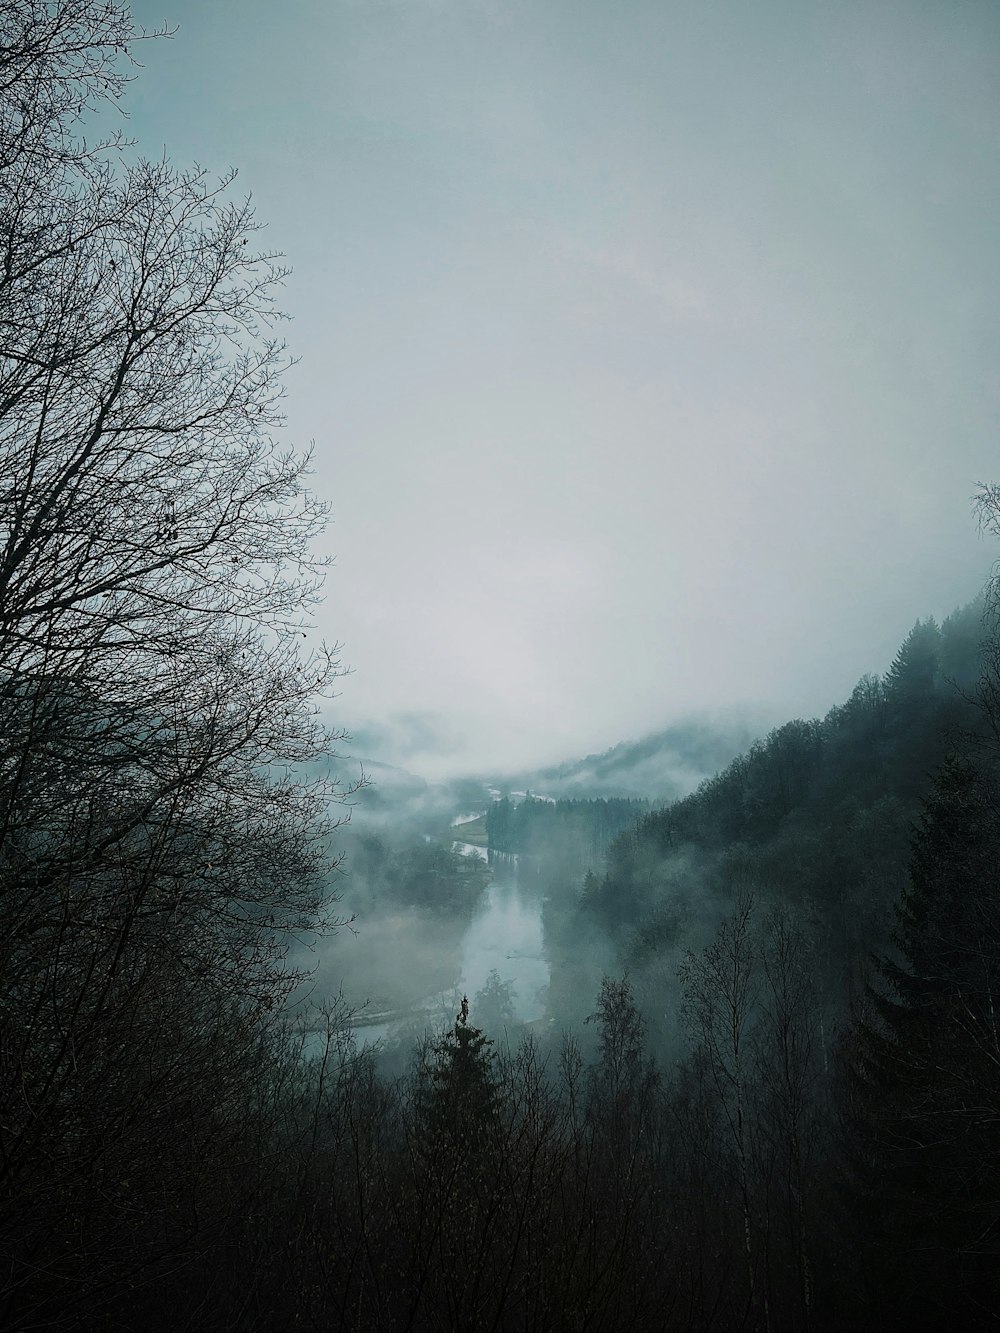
{"x": 721, "y": 987}
{"x": 156, "y": 581}
{"x": 787, "y": 1070}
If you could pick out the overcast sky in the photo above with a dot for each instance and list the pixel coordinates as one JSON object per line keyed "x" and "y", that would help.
{"x": 651, "y": 350}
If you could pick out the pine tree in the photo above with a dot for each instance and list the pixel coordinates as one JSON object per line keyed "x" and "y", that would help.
{"x": 454, "y": 1190}
{"x": 494, "y": 1004}
{"x": 924, "y": 1077}
{"x": 915, "y": 668}
{"x": 458, "y": 1096}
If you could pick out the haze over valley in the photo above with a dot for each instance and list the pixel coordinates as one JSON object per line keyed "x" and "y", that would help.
{"x": 499, "y": 666}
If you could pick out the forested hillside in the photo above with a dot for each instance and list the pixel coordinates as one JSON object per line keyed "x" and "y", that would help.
{"x": 818, "y": 814}
{"x": 546, "y": 834}
{"x": 811, "y": 938}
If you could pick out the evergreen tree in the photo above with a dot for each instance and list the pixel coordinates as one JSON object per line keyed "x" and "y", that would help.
{"x": 494, "y": 1004}
{"x": 962, "y": 636}
{"x": 458, "y": 1092}
{"x": 455, "y": 1185}
{"x": 924, "y": 1078}
{"x": 915, "y": 668}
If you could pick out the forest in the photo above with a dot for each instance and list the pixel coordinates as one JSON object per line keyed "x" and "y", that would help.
{"x": 765, "y": 1094}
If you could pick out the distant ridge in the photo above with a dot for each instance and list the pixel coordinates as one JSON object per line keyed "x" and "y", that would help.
{"x": 663, "y": 766}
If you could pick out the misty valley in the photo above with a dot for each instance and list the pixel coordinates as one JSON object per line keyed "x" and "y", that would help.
{"x": 715, "y": 1061}
{"x": 409, "y": 967}
{"x": 464, "y": 1020}
{"x": 435, "y": 916}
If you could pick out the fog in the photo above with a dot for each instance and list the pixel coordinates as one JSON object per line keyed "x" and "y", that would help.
{"x": 559, "y": 891}
{"x": 648, "y": 351}
{"x": 649, "y": 359}
{"x": 430, "y": 915}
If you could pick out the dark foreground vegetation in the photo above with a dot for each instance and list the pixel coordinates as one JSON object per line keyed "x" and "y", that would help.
{"x": 784, "y": 1110}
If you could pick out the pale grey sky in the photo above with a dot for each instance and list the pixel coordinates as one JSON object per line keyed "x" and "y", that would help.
{"x": 650, "y": 349}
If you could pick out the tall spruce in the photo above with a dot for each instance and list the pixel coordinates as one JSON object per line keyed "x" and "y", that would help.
{"x": 924, "y": 1078}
